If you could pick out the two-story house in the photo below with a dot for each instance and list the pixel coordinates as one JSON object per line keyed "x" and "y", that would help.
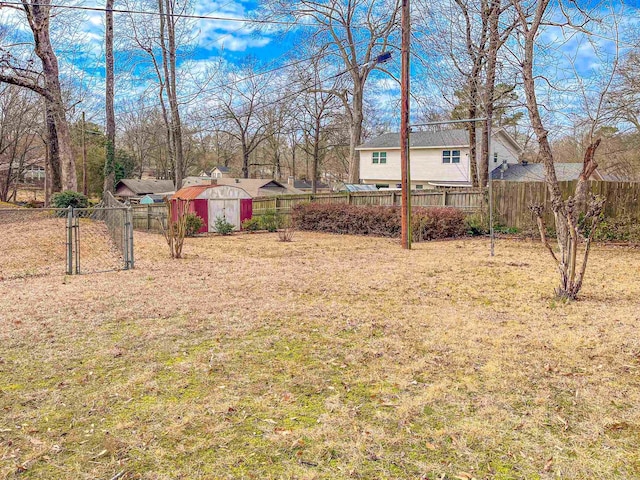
{"x": 437, "y": 159}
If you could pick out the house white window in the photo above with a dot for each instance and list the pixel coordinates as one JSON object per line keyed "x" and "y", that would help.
{"x": 418, "y": 187}
{"x": 451, "y": 156}
{"x": 495, "y": 157}
{"x": 379, "y": 157}
{"x": 217, "y": 175}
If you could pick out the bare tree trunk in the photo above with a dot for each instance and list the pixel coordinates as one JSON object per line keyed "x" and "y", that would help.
{"x": 355, "y": 137}
{"x": 473, "y": 148}
{"x": 110, "y": 154}
{"x": 492, "y": 60}
{"x": 245, "y": 161}
{"x": 169, "y": 65}
{"x": 316, "y": 155}
{"x": 293, "y": 160}
{"x": 38, "y": 15}
{"x": 53, "y": 154}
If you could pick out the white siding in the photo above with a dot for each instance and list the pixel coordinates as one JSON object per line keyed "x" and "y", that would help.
{"x": 427, "y": 165}
{"x": 504, "y": 151}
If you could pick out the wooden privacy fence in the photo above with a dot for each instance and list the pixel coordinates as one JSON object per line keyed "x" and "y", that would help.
{"x": 148, "y": 217}
{"x": 468, "y": 199}
{"x": 511, "y": 201}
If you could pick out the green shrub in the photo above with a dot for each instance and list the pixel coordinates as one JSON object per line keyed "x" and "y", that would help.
{"x": 222, "y": 227}
{"x": 251, "y": 224}
{"x": 69, "y": 198}
{"x": 270, "y": 221}
{"x": 506, "y": 230}
{"x": 476, "y": 224}
{"x": 621, "y": 229}
{"x": 193, "y": 224}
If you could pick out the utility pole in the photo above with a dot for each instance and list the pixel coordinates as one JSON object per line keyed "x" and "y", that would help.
{"x": 85, "y": 189}
{"x": 405, "y": 127}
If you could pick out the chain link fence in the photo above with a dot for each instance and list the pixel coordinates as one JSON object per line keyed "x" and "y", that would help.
{"x": 34, "y": 242}
{"x": 48, "y": 241}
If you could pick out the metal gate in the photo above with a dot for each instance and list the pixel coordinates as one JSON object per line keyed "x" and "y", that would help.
{"x": 99, "y": 239}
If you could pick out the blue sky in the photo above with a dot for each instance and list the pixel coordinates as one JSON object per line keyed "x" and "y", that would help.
{"x": 82, "y": 55}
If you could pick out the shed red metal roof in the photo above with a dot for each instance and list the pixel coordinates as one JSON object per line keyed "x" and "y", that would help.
{"x": 191, "y": 193}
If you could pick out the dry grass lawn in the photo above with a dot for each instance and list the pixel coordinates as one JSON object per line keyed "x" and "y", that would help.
{"x": 330, "y": 357}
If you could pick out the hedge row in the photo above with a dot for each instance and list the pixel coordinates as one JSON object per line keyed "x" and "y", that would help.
{"x": 427, "y": 223}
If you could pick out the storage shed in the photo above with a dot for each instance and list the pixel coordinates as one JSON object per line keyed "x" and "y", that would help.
{"x": 151, "y": 199}
{"x": 212, "y": 201}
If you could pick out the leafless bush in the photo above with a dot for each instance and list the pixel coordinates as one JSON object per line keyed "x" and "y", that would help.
{"x": 285, "y": 234}
{"x": 175, "y": 227}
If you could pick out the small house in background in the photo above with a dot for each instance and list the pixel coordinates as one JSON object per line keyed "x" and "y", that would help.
{"x": 219, "y": 171}
{"x": 152, "y": 198}
{"x": 438, "y": 158}
{"x": 210, "y": 202}
{"x": 306, "y": 187}
{"x": 133, "y": 189}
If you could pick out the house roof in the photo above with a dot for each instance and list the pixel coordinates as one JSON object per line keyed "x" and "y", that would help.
{"x": 357, "y": 187}
{"x": 304, "y": 185}
{"x": 534, "y": 172}
{"x": 258, "y": 187}
{"x": 193, "y": 180}
{"x": 144, "y": 187}
{"x": 192, "y": 192}
{"x": 443, "y": 138}
{"x": 221, "y": 168}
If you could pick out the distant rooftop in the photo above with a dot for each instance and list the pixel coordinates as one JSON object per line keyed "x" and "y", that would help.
{"x": 534, "y": 172}
{"x": 443, "y": 138}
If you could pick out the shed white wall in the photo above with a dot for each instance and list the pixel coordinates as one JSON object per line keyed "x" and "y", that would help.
{"x": 224, "y": 191}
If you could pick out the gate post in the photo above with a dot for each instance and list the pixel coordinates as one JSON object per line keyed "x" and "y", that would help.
{"x": 69, "y": 240}
{"x": 129, "y": 234}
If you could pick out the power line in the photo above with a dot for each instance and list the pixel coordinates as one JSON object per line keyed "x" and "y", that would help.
{"x": 244, "y": 79}
{"x": 175, "y": 15}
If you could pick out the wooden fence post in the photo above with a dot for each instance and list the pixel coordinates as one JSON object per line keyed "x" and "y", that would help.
{"x": 444, "y": 198}
{"x": 148, "y": 217}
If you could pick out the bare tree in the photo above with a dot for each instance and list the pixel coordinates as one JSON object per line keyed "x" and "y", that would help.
{"x": 625, "y": 94}
{"x": 160, "y": 42}
{"x": 45, "y": 82}
{"x": 168, "y": 21}
{"x": 476, "y": 51}
{"x": 242, "y": 111}
{"x": 357, "y": 31}
{"x": 318, "y": 106}
{"x": 487, "y": 28}
{"x": 20, "y": 130}
{"x": 110, "y": 153}
{"x": 570, "y": 228}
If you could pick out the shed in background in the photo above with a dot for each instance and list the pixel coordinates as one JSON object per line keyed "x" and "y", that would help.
{"x": 152, "y": 198}
{"x": 210, "y": 202}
